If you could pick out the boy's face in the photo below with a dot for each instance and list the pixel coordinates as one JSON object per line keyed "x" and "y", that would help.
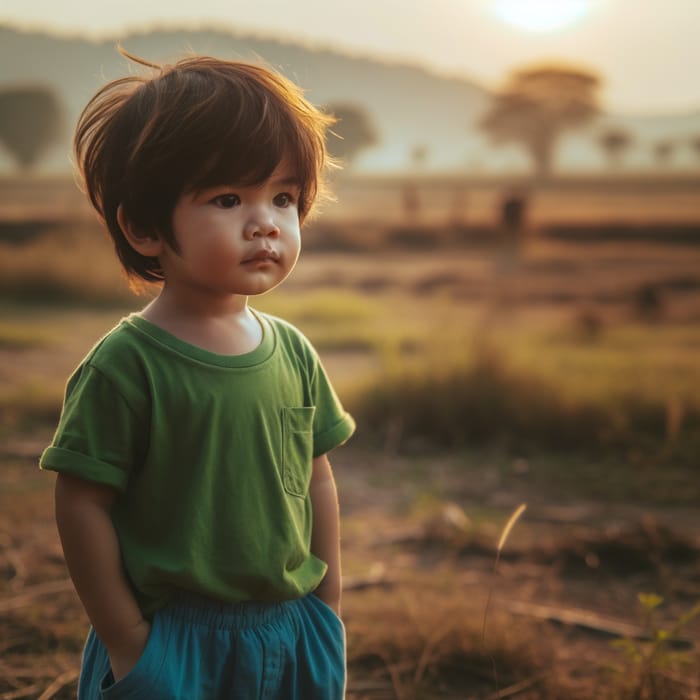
{"x": 235, "y": 240}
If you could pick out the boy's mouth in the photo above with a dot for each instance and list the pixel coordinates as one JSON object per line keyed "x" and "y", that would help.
{"x": 264, "y": 255}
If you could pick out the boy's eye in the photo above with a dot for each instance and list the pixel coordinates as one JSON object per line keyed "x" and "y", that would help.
{"x": 284, "y": 199}
{"x": 227, "y": 201}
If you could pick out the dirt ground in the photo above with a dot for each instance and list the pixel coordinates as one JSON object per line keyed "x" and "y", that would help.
{"x": 430, "y": 610}
{"x": 569, "y": 574}
{"x": 418, "y": 529}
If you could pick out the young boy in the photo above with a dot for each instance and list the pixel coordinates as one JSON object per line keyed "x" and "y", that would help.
{"x": 194, "y": 499}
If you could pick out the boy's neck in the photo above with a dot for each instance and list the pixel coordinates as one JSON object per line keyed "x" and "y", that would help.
{"x": 226, "y": 328}
{"x": 173, "y": 303}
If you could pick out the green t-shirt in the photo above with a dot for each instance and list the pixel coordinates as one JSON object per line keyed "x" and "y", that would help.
{"x": 211, "y": 457}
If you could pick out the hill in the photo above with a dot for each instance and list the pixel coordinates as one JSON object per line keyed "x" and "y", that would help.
{"x": 75, "y": 68}
{"x": 408, "y": 105}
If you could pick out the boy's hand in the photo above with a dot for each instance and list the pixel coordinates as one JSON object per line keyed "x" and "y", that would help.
{"x": 124, "y": 657}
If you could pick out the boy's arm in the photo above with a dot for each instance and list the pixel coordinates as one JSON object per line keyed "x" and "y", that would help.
{"x": 93, "y": 556}
{"x": 325, "y": 535}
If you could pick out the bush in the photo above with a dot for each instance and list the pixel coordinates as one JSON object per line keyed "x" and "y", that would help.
{"x": 487, "y": 403}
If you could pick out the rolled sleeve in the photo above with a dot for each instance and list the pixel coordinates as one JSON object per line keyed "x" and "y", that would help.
{"x": 97, "y": 437}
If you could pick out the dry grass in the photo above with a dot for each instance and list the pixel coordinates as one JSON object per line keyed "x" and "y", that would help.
{"x": 555, "y": 350}
{"x": 68, "y": 265}
{"x": 424, "y": 627}
{"x": 543, "y": 337}
{"x": 430, "y": 645}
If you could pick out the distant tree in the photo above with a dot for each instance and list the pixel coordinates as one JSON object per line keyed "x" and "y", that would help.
{"x": 615, "y": 141}
{"x": 352, "y": 133}
{"x": 30, "y": 122}
{"x": 663, "y": 151}
{"x": 695, "y": 145}
{"x": 410, "y": 196}
{"x": 537, "y": 105}
{"x": 419, "y": 155}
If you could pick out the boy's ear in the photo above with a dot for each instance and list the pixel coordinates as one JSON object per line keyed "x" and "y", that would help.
{"x": 149, "y": 244}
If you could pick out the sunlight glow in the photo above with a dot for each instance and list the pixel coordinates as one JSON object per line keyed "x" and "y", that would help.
{"x": 541, "y": 15}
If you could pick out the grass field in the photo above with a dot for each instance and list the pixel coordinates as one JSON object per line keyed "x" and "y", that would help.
{"x": 560, "y": 374}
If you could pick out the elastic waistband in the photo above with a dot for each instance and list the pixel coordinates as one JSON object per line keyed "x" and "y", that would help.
{"x": 194, "y": 609}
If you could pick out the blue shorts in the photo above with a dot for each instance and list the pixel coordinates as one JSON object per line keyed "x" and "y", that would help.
{"x": 204, "y": 650}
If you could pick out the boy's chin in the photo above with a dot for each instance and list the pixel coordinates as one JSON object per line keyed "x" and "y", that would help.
{"x": 261, "y": 289}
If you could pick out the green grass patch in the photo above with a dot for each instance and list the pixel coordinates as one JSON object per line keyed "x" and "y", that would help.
{"x": 22, "y": 336}
{"x": 655, "y": 362}
{"x": 341, "y": 321}
{"x": 488, "y": 402}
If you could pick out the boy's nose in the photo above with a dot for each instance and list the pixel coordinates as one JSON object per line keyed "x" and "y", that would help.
{"x": 260, "y": 225}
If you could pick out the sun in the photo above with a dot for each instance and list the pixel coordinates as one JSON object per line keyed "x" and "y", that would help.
{"x": 541, "y": 15}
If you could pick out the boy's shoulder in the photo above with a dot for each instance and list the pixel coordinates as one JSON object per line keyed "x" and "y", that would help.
{"x": 288, "y": 333}
{"x": 118, "y": 348}
{"x": 113, "y": 357}
{"x": 293, "y": 344}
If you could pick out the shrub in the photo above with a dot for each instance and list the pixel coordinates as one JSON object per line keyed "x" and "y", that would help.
{"x": 487, "y": 403}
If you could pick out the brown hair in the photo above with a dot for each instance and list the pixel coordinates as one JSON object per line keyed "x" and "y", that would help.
{"x": 141, "y": 142}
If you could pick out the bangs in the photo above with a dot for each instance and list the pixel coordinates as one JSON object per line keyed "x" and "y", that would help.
{"x": 243, "y": 154}
{"x": 241, "y": 135}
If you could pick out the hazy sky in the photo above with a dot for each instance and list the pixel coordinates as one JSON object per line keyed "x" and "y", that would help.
{"x": 647, "y": 50}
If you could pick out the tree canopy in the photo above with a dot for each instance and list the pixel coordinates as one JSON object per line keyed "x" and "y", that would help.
{"x": 352, "y": 133}
{"x": 537, "y": 105}
{"x": 30, "y": 122}
{"x": 614, "y": 141}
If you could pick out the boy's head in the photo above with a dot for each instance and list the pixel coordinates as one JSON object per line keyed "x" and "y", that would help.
{"x": 141, "y": 142}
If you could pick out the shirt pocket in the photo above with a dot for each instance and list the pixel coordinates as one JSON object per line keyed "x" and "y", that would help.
{"x": 297, "y": 449}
